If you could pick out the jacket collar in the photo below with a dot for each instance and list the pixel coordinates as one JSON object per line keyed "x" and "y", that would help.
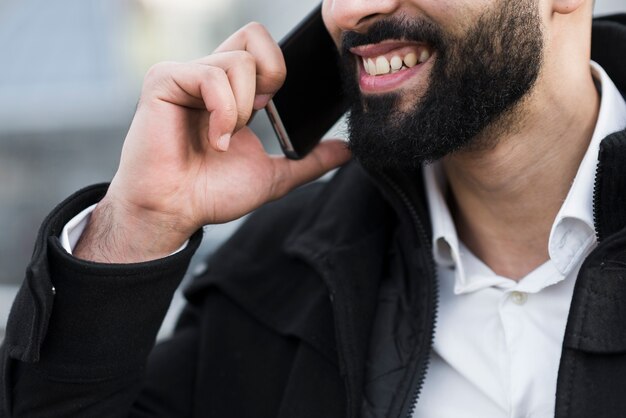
{"x": 595, "y": 322}
{"x": 610, "y": 187}
{"x": 607, "y": 47}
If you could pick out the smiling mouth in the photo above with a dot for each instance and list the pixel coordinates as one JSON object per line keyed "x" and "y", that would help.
{"x": 390, "y": 58}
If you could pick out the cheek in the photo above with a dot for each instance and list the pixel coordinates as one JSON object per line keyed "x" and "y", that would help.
{"x": 454, "y": 16}
{"x": 330, "y": 24}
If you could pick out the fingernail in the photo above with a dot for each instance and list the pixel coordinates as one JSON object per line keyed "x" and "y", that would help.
{"x": 223, "y": 141}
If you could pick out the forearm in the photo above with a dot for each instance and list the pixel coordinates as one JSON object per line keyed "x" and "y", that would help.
{"x": 96, "y": 334}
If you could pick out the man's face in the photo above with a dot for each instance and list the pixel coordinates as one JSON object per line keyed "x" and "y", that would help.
{"x": 426, "y": 80}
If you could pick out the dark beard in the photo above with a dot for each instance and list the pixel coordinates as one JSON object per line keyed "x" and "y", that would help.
{"x": 474, "y": 81}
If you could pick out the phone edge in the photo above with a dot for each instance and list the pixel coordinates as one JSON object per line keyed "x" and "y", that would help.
{"x": 281, "y": 132}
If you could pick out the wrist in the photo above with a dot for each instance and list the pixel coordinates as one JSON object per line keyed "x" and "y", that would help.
{"x": 117, "y": 233}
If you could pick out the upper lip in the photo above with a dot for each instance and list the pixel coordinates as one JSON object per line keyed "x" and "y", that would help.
{"x": 375, "y": 50}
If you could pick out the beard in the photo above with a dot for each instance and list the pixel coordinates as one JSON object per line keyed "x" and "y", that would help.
{"x": 475, "y": 83}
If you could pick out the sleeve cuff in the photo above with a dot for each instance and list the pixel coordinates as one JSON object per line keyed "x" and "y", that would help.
{"x": 73, "y": 230}
{"x": 106, "y": 316}
{"x": 92, "y": 302}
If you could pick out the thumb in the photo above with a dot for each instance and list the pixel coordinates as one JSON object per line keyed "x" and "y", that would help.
{"x": 327, "y": 155}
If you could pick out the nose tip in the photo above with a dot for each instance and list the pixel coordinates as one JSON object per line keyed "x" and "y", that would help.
{"x": 356, "y": 15}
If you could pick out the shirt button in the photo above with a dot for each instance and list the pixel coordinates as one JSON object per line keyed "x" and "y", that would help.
{"x": 519, "y": 298}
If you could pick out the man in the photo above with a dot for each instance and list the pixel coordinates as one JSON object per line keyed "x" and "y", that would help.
{"x": 474, "y": 204}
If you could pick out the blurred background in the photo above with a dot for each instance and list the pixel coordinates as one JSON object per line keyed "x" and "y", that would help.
{"x": 70, "y": 75}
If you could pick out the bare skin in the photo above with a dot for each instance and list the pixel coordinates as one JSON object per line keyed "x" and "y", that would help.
{"x": 189, "y": 160}
{"x": 504, "y": 198}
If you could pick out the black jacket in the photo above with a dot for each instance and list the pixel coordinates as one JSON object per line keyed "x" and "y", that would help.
{"x": 322, "y": 305}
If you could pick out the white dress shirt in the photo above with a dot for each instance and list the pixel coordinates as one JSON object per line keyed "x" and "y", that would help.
{"x": 497, "y": 341}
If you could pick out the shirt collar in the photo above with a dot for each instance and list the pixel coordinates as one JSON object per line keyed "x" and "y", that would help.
{"x": 574, "y": 223}
{"x": 573, "y": 231}
{"x": 446, "y": 245}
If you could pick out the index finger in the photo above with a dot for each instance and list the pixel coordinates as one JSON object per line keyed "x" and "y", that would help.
{"x": 270, "y": 63}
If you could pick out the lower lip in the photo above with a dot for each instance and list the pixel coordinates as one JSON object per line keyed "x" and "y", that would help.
{"x": 388, "y": 82}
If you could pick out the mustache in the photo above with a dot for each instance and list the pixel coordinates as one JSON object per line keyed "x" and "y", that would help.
{"x": 416, "y": 29}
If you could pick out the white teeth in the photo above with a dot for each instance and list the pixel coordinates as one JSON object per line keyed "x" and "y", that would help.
{"x": 396, "y": 62}
{"x": 366, "y": 66}
{"x": 410, "y": 60}
{"x": 372, "y": 66}
{"x": 382, "y": 65}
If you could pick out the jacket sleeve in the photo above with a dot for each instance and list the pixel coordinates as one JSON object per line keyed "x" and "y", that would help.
{"x": 79, "y": 333}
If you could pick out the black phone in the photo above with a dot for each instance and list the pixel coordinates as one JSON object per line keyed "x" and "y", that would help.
{"x": 312, "y": 100}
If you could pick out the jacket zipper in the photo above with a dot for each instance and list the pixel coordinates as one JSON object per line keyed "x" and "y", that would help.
{"x": 423, "y": 237}
{"x": 596, "y": 191}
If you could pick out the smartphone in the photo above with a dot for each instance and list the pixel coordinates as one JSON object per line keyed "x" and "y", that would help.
{"x": 312, "y": 99}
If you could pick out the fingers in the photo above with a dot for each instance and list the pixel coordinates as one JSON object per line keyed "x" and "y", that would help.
{"x": 200, "y": 87}
{"x": 270, "y": 63}
{"x": 240, "y": 68}
{"x": 289, "y": 174}
{"x": 241, "y": 76}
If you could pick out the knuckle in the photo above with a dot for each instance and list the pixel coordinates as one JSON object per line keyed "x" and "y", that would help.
{"x": 276, "y": 70}
{"x": 243, "y": 115}
{"x": 275, "y": 76}
{"x": 212, "y": 77}
{"x": 246, "y": 58}
{"x": 283, "y": 186}
{"x": 212, "y": 71}
{"x": 158, "y": 72}
{"x": 280, "y": 185}
{"x": 157, "y": 79}
{"x": 255, "y": 28}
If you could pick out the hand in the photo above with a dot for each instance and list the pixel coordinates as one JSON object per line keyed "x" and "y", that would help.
{"x": 190, "y": 160}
